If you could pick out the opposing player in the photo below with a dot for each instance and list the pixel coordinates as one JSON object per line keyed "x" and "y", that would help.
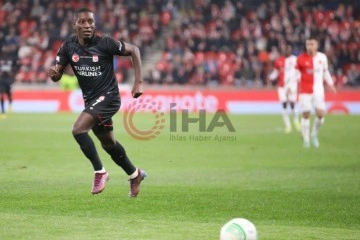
{"x": 91, "y": 58}
{"x": 7, "y": 78}
{"x": 287, "y": 80}
{"x": 313, "y": 67}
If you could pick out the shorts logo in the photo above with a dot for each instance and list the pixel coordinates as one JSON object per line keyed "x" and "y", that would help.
{"x": 99, "y": 100}
{"x": 75, "y": 57}
{"x": 144, "y": 105}
{"x": 95, "y": 58}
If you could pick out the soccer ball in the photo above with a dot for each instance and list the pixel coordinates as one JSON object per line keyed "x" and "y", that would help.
{"x": 238, "y": 229}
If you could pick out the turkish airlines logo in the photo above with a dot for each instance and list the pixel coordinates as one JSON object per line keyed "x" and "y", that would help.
{"x": 95, "y": 58}
{"x": 75, "y": 57}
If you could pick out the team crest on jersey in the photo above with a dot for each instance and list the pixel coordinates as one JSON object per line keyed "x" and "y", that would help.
{"x": 75, "y": 57}
{"x": 95, "y": 58}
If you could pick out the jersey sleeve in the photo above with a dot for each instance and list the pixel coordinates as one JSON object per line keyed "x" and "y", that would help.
{"x": 62, "y": 56}
{"x": 114, "y": 47}
{"x": 327, "y": 75}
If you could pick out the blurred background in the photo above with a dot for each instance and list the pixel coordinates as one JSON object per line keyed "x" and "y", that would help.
{"x": 202, "y": 44}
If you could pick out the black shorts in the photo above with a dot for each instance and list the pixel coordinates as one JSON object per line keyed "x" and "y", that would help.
{"x": 102, "y": 109}
{"x": 5, "y": 88}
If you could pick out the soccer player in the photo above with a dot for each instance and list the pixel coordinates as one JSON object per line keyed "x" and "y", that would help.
{"x": 287, "y": 76}
{"x": 313, "y": 67}
{"x": 7, "y": 69}
{"x": 91, "y": 58}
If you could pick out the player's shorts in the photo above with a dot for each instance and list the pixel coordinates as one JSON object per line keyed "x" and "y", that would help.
{"x": 283, "y": 97}
{"x": 308, "y": 101}
{"x": 103, "y": 109}
{"x": 5, "y": 88}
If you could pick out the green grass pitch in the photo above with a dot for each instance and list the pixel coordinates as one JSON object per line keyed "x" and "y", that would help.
{"x": 193, "y": 187}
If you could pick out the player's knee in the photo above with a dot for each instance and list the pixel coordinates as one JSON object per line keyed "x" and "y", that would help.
{"x": 320, "y": 113}
{"x": 77, "y": 129}
{"x": 306, "y": 115}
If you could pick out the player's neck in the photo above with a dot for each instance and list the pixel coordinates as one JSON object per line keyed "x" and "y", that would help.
{"x": 83, "y": 41}
{"x": 311, "y": 53}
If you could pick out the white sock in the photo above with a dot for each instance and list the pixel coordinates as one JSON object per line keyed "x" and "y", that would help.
{"x": 316, "y": 126}
{"x": 305, "y": 129}
{"x": 101, "y": 171}
{"x": 295, "y": 115}
{"x": 286, "y": 118}
{"x": 135, "y": 174}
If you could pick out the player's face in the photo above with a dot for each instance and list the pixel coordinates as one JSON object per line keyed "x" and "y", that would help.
{"x": 311, "y": 46}
{"x": 288, "y": 50}
{"x": 84, "y": 25}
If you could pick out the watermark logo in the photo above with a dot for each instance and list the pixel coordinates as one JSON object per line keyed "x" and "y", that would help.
{"x": 181, "y": 120}
{"x": 148, "y": 106}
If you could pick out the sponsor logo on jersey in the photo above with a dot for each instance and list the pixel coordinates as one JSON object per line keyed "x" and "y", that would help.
{"x": 88, "y": 71}
{"x": 75, "y": 57}
{"x": 95, "y": 58}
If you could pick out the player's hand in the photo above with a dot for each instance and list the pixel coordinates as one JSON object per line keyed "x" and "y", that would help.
{"x": 137, "y": 90}
{"x": 54, "y": 73}
{"x": 332, "y": 89}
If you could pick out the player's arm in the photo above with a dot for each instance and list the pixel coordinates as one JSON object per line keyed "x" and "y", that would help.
{"x": 328, "y": 79}
{"x": 134, "y": 52}
{"x": 55, "y": 72}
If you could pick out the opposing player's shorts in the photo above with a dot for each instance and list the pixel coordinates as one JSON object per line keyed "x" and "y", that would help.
{"x": 283, "y": 97}
{"x": 5, "y": 88}
{"x": 309, "y": 101}
{"x": 102, "y": 109}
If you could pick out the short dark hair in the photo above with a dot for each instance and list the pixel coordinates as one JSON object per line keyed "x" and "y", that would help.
{"x": 81, "y": 10}
{"x": 312, "y": 37}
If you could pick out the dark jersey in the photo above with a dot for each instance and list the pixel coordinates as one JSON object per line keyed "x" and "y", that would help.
{"x": 7, "y": 70}
{"x": 92, "y": 64}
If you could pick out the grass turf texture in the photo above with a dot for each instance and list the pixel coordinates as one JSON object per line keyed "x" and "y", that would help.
{"x": 193, "y": 187}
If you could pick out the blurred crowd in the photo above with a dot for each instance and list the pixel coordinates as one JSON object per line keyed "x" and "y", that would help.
{"x": 236, "y": 42}
{"x": 33, "y": 30}
{"x": 212, "y": 42}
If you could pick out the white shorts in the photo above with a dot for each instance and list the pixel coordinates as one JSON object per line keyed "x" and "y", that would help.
{"x": 283, "y": 97}
{"x": 308, "y": 101}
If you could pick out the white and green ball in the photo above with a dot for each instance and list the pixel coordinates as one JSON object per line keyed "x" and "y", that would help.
{"x": 238, "y": 229}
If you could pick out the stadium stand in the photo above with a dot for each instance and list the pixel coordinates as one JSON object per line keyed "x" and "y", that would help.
{"x": 210, "y": 42}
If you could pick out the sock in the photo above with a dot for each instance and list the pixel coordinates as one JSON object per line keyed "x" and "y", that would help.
{"x": 118, "y": 155}
{"x": 286, "y": 118}
{"x": 87, "y": 146}
{"x": 305, "y": 129}
{"x": 316, "y": 126}
{"x": 294, "y": 113}
{"x": 135, "y": 174}
{"x": 101, "y": 171}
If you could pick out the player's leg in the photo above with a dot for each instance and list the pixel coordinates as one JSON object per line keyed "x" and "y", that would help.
{"x": 80, "y": 132}
{"x": 294, "y": 112}
{"x": 319, "y": 103}
{"x": 284, "y": 113}
{"x": 2, "y": 100}
{"x": 305, "y": 101}
{"x": 114, "y": 148}
{"x": 118, "y": 154}
{"x": 9, "y": 96}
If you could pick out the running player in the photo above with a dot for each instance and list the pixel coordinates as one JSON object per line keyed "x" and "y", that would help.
{"x": 287, "y": 80}
{"x": 91, "y": 58}
{"x": 313, "y": 67}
